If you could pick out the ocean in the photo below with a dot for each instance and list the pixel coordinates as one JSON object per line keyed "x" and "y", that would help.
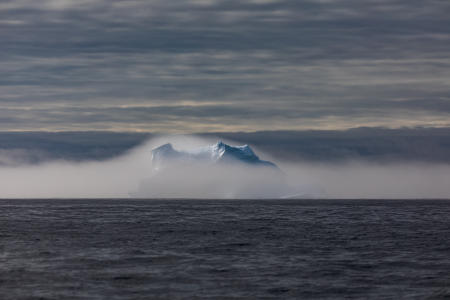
{"x": 224, "y": 249}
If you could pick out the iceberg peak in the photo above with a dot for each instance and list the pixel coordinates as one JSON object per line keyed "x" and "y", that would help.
{"x": 216, "y": 153}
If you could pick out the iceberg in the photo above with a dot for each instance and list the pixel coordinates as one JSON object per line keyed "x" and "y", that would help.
{"x": 215, "y": 171}
{"x": 219, "y": 153}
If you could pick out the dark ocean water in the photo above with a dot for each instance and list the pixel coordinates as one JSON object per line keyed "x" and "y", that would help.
{"x": 215, "y": 249}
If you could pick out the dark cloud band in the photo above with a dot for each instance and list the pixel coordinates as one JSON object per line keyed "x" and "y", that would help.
{"x": 376, "y": 145}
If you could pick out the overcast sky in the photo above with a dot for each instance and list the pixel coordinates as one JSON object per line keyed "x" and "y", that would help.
{"x": 208, "y": 65}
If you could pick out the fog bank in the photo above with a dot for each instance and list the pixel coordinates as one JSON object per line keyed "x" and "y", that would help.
{"x": 131, "y": 175}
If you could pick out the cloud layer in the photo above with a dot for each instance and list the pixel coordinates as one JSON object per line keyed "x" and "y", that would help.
{"x": 210, "y": 65}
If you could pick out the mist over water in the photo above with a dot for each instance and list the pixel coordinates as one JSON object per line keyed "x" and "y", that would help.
{"x": 132, "y": 175}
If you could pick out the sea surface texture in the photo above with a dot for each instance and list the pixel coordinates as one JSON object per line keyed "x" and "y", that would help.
{"x": 216, "y": 249}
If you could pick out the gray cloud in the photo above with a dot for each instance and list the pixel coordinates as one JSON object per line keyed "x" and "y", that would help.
{"x": 240, "y": 65}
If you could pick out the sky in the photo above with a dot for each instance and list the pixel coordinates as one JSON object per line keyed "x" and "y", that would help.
{"x": 223, "y": 66}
